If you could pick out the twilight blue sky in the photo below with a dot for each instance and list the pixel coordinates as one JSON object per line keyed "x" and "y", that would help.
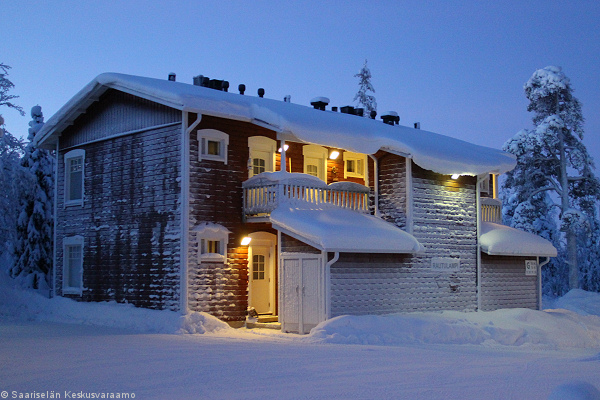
{"x": 458, "y": 67}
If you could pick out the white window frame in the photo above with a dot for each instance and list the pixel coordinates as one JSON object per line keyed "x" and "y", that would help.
{"x": 320, "y": 153}
{"x": 208, "y": 231}
{"x": 348, "y": 155}
{"x": 205, "y": 135}
{"x": 261, "y": 144}
{"x": 69, "y": 156}
{"x": 72, "y": 241}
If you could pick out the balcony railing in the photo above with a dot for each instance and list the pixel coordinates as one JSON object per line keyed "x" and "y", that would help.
{"x": 491, "y": 210}
{"x": 264, "y": 192}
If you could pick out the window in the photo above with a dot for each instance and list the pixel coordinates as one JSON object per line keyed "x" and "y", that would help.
{"x": 212, "y": 240}
{"x": 74, "y": 177}
{"x": 212, "y": 145}
{"x": 73, "y": 265}
{"x": 258, "y": 267}
{"x": 354, "y": 165}
{"x": 262, "y": 155}
{"x": 315, "y": 161}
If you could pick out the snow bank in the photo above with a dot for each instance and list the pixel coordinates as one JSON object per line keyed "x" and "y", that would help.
{"x": 550, "y": 329}
{"x": 20, "y": 304}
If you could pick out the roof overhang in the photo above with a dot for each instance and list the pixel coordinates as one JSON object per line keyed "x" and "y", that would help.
{"x": 335, "y": 229}
{"x": 502, "y": 240}
{"x": 429, "y": 150}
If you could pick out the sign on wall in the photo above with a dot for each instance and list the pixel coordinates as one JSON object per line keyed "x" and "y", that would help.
{"x": 530, "y": 267}
{"x": 445, "y": 264}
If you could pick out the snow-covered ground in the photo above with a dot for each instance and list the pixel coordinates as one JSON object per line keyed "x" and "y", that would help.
{"x": 62, "y": 347}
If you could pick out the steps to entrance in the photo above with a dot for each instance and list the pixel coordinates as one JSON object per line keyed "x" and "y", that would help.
{"x": 264, "y": 321}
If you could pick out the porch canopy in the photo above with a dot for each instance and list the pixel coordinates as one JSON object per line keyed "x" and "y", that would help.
{"x": 501, "y": 240}
{"x": 331, "y": 228}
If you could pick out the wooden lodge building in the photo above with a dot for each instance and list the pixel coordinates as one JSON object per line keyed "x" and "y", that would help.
{"x": 188, "y": 197}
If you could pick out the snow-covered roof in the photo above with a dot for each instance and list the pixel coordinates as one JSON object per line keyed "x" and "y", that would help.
{"x": 429, "y": 150}
{"x": 332, "y": 228}
{"x": 502, "y": 240}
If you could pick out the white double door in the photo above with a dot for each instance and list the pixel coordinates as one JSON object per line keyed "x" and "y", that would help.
{"x": 302, "y": 292}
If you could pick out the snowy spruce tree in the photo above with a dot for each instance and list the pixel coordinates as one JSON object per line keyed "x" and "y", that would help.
{"x": 363, "y": 98}
{"x": 11, "y": 150}
{"x": 553, "y": 191}
{"x": 33, "y": 246}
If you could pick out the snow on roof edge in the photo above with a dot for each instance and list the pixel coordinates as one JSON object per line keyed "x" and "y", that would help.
{"x": 435, "y": 152}
{"x": 502, "y": 240}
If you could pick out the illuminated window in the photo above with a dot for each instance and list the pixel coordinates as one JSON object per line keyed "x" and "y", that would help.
{"x": 212, "y": 242}
{"x": 258, "y": 267}
{"x": 354, "y": 165}
{"x": 315, "y": 161}
{"x": 262, "y": 154}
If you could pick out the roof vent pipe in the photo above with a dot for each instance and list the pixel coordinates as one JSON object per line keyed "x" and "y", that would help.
{"x": 287, "y": 99}
{"x": 261, "y": 92}
{"x": 373, "y": 114}
{"x": 197, "y": 80}
{"x": 334, "y": 109}
{"x": 319, "y": 103}
{"x": 242, "y": 88}
{"x": 417, "y": 125}
{"x": 172, "y": 76}
{"x": 390, "y": 118}
{"x": 225, "y": 86}
{"x": 347, "y": 110}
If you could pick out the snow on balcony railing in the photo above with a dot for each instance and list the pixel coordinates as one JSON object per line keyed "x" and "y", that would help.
{"x": 264, "y": 192}
{"x": 491, "y": 210}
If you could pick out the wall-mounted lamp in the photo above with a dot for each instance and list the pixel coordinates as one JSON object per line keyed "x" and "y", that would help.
{"x": 455, "y": 176}
{"x": 285, "y": 146}
{"x": 334, "y": 154}
{"x": 246, "y": 240}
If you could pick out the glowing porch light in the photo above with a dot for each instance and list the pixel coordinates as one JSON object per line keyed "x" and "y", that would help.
{"x": 246, "y": 241}
{"x": 285, "y": 146}
{"x": 455, "y": 176}
{"x": 334, "y": 154}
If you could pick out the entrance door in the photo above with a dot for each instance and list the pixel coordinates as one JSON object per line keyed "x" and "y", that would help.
{"x": 260, "y": 279}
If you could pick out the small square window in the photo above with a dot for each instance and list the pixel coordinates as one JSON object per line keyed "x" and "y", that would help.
{"x": 212, "y": 145}
{"x": 354, "y": 165}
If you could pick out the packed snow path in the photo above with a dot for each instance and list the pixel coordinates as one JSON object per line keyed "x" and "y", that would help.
{"x": 44, "y": 356}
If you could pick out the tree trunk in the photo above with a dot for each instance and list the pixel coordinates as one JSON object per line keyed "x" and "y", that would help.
{"x": 565, "y": 205}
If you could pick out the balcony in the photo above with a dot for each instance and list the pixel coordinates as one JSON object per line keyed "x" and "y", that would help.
{"x": 491, "y": 210}
{"x": 264, "y": 192}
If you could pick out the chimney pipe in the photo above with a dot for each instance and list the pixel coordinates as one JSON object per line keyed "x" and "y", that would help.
{"x": 319, "y": 103}
{"x": 242, "y": 88}
{"x": 417, "y": 125}
{"x": 172, "y": 76}
{"x": 390, "y": 118}
{"x": 373, "y": 114}
{"x": 287, "y": 99}
{"x": 261, "y": 92}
